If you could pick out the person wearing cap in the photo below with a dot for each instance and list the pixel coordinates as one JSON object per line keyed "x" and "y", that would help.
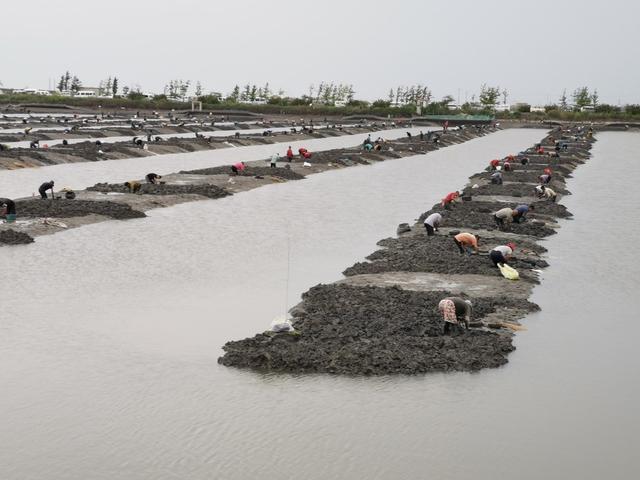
{"x": 502, "y": 253}
{"x": 494, "y": 164}
{"x": 8, "y": 209}
{"x": 455, "y": 310}
{"x": 450, "y": 199}
{"x": 431, "y": 223}
{"x": 466, "y": 242}
{"x": 43, "y": 189}
{"x": 503, "y": 215}
{"x": 520, "y": 212}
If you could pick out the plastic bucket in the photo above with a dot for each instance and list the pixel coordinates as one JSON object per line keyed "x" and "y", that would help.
{"x": 11, "y": 217}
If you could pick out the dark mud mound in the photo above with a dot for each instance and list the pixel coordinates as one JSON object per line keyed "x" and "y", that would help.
{"x": 284, "y": 173}
{"x": 209, "y": 191}
{"x": 339, "y": 156}
{"x": 11, "y": 237}
{"x": 63, "y": 208}
{"x": 372, "y": 331}
{"x": 437, "y": 254}
{"x": 478, "y": 215}
{"x": 512, "y": 189}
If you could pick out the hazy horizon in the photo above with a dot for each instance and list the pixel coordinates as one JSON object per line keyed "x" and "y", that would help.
{"x": 534, "y": 50}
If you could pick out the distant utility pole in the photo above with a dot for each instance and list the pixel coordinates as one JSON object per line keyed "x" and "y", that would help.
{"x": 458, "y": 98}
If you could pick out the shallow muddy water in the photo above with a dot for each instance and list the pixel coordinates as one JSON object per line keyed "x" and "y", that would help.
{"x": 24, "y": 182}
{"x": 110, "y": 335}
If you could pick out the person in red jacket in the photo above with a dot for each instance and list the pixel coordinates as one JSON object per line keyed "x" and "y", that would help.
{"x": 494, "y": 164}
{"x": 448, "y": 201}
{"x": 304, "y": 153}
{"x": 289, "y": 154}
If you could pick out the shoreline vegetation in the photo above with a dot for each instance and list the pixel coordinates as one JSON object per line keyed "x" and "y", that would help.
{"x": 383, "y": 317}
{"x": 20, "y": 103}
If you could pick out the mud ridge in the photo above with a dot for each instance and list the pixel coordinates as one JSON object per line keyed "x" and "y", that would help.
{"x": 383, "y": 317}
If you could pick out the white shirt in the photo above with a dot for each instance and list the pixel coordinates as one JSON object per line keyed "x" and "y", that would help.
{"x": 434, "y": 220}
{"x": 504, "y": 250}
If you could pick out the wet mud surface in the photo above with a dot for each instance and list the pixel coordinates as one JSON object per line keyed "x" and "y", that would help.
{"x": 63, "y": 208}
{"x": 437, "y": 254}
{"x": 206, "y": 190}
{"x": 11, "y": 237}
{"x": 372, "y": 331}
{"x": 383, "y": 318}
{"x": 250, "y": 171}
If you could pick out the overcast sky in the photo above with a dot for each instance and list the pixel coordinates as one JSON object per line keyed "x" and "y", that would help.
{"x": 534, "y": 49}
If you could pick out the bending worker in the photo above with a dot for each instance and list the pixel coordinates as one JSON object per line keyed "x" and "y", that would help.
{"x": 43, "y": 189}
{"x": 546, "y": 192}
{"x": 431, "y": 223}
{"x": 501, "y": 254}
{"x": 496, "y": 178}
{"x": 8, "y": 209}
{"x": 450, "y": 199}
{"x": 153, "y": 178}
{"x": 504, "y": 215}
{"x": 520, "y": 212}
{"x": 454, "y": 311}
{"x": 467, "y": 242}
{"x": 133, "y": 186}
{"x": 238, "y": 167}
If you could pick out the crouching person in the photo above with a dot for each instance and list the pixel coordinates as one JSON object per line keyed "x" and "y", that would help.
{"x": 455, "y": 310}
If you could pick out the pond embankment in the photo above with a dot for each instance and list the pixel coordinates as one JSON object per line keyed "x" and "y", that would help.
{"x": 107, "y": 201}
{"x": 383, "y": 318}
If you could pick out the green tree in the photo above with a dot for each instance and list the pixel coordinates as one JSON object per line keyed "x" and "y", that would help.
{"x": 564, "y": 105}
{"x": 489, "y": 95}
{"x": 581, "y": 97}
{"x": 114, "y": 86}
{"x": 381, "y": 104}
{"x": 76, "y": 84}
{"x": 235, "y": 94}
{"x": 594, "y": 98}
{"x": 198, "y": 91}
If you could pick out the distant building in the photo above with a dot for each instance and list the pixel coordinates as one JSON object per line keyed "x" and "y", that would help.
{"x": 501, "y": 107}
{"x": 538, "y": 109}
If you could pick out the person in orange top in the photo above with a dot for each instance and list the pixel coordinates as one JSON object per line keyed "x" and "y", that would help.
{"x": 467, "y": 241}
{"x": 289, "y": 154}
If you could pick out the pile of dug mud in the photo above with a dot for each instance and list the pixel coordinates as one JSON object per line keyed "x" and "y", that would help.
{"x": 372, "y": 331}
{"x": 381, "y": 328}
{"x": 11, "y": 237}
{"x": 438, "y": 254}
{"x": 205, "y": 190}
{"x": 63, "y": 208}
{"x": 249, "y": 171}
